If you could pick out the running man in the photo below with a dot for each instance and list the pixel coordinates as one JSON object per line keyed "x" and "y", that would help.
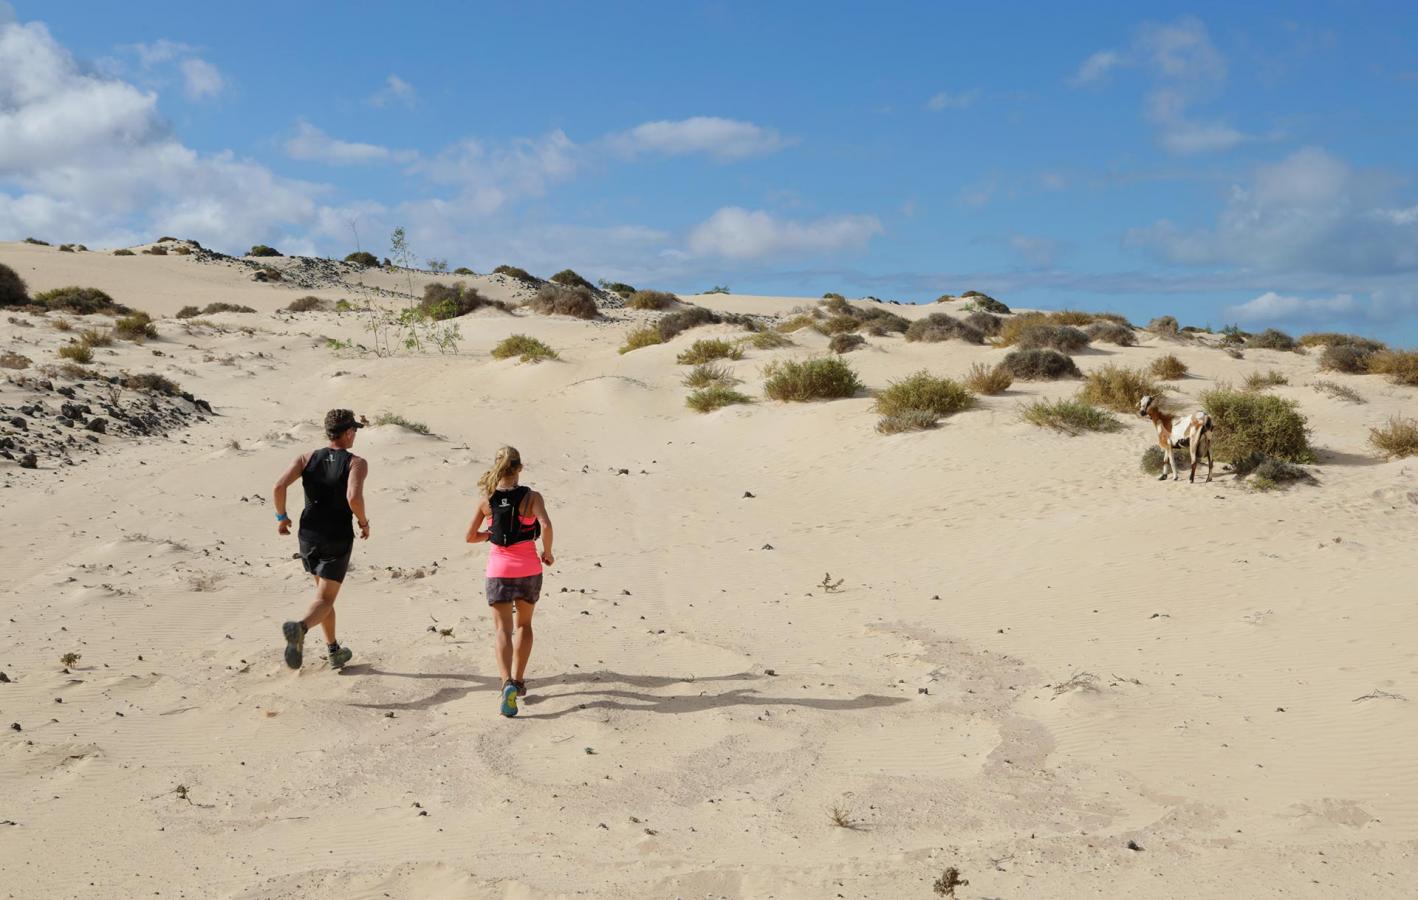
{"x": 333, "y": 480}
{"x": 514, "y": 569}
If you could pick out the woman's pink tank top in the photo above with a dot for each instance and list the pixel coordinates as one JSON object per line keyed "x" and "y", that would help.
{"x": 517, "y": 561}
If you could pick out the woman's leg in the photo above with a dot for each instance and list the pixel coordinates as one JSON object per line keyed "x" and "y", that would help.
{"x": 522, "y": 637}
{"x": 502, "y": 638}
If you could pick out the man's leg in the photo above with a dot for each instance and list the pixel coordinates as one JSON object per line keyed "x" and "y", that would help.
{"x": 522, "y": 637}
{"x": 322, "y": 611}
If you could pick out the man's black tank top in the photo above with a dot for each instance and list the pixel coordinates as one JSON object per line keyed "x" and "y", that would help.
{"x": 327, "y": 510}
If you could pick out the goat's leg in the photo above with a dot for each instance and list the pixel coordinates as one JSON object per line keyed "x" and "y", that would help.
{"x": 1196, "y": 458}
{"x": 1208, "y": 459}
{"x": 1166, "y": 461}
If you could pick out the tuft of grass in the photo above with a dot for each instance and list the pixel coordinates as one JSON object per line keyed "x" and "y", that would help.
{"x": 826, "y": 378}
{"x": 840, "y": 816}
{"x": 1401, "y": 366}
{"x": 651, "y": 300}
{"x": 1118, "y": 388}
{"x": 704, "y": 351}
{"x": 519, "y": 274}
{"x": 77, "y": 352}
{"x": 1272, "y": 339}
{"x": 1259, "y": 381}
{"x": 1397, "y": 438}
{"x": 648, "y": 336}
{"x": 81, "y": 301}
{"x": 715, "y": 397}
{"x": 526, "y": 348}
{"x": 989, "y": 380}
{"x": 152, "y": 383}
{"x": 63, "y": 325}
{"x": 137, "y": 327}
{"x": 1040, "y": 365}
{"x": 768, "y": 340}
{"x": 389, "y": 418}
{"x": 1152, "y": 459}
{"x": 709, "y": 375}
{"x": 1109, "y": 332}
{"x": 1168, "y": 368}
{"x": 1070, "y": 416}
{"x": 95, "y": 338}
{"x": 576, "y": 301}
{"x": 938, "y": 327}
{"x": 1248, "y": 423}
{"x": 309, "y": 303}
{"x": 907, "y": 420}
{"x": 921, "y": 390}
{"x": 846, "y": 343}
{"x": 797, "y": 323}
{"x": 12, "y": 360}
{"x": 1338, "y": 391}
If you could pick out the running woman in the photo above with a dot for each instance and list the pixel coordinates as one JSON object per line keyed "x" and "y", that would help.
{"x": 518, "y": 517}
{"x": 333, "y": 480}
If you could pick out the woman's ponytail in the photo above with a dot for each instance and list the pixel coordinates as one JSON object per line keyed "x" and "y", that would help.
{"x": 507, "y": 461}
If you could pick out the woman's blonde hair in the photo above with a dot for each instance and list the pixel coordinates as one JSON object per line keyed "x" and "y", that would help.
{"x": 507, "y": 462}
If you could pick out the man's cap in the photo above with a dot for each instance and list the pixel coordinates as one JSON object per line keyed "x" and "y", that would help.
{"x": 338, "y": 421}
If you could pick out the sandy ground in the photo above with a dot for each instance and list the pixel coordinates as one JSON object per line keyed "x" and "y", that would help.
{"x": 698, "y": 701}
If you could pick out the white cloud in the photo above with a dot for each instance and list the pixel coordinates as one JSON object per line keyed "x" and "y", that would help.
{"x": 1183, "y": 135}
{"x": 490, "y": 176}
{"x": 1273, "y": 307}
{"x": 1096, "y": 66}
{"x": 311, "y": 144}
{"x": 1039, "y": 252}
{"x": 395, "y": 90}
{"x": 738, "y": 233}
{"x": 947, "y": 100}
{"x": 7, "y": 13}
{"x": 201, "y": 79}
{"x": 155, "y": 53}
{"x": 722, "y": 139}
{"x": 1181, "y": 50}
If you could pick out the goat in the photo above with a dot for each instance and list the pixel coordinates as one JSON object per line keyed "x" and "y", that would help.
{"x": 1179, "y": 431}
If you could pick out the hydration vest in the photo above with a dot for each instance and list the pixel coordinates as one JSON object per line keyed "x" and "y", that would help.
{"x": 507, "y": 527}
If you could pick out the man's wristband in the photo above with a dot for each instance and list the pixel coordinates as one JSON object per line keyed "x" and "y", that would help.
{"x": 282, "y": 517}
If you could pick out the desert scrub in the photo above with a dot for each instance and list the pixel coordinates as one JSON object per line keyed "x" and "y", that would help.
{"x": 577, "y": 302}
{"x": 840, "y": 325}
{"x": 1152, "y": 459}
{"x": 921, "y": 390}
{"x": 95, "y": 338}
{"x": 1111, "y": 333}
{"x": 798, "y": 323}
{"x": 1397, "y": 438}
{"x": 1071, "y": 416}
{"x": 1166, "y": 326}
{"x": 907, "y": 420}
{"x": 1040, "y": 336}
{"x": 715, "y": 397}
{"x": 617, "y": 287}
{"x": 1267, "y": 473}
{"x": 13, "y": 291}
{"x": 389, "y": 418}
{"x": 768, "y": 340}
{"x": 362, "y": 258}
{"x": 569, "y": 278}
{"x": 79, "y": 300}
{"x": 1259, "y": 381}
{"x": 12, "y": 360}
{"x": 441, "y": 302}
{"x": 1040, "y": 365}
{"x": 1118, "y": 388}
{"x": 846, "y": 343}
{"x": 826, "y": 378}
{"x": 519, "y": 274}
{"x": 704, "y": 351}
{"x": 77, "y": 352}
{"x": 648, "y": 336}
{"x": 1338, "y": 391}
{"x": 1401, "y": 366}
{"x": 152, "y": 383}
{"x": 188, "y": 312}
{"x": 938, "y": 327}
{"x": 155, "y": 251}
{"x": 214, "y": 308}
{"x": 1349, "y": 359}
{"x": 989, "y": 380}
{"x": 524, "y": 347}
{"x": 1272, "y": 339}
{"x": 263, "y": 250}
{"x": 123, "y": 251}
{"x": 677, "y": 323}
{"x": 137, "y": 327}
{"x": 651, "y": 300}
{"x": 1168, "y": 368}
{"x": 308, "y": 303}
{"x": 1248, "y": 423}
{"x": 987, "y": 324}
{"x": 709, "y": 375}
{"x": 1331, "y": 339}
{"x": 986, "y": 302}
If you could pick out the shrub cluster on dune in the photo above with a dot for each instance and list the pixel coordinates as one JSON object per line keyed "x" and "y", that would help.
{"x": 524, "y": 347}
{"x": 938, "y": 327}
{"x": 827, "y": 378}
{"x": 989, "y": 380}
{"x": 577, "y": 301}
{"x": 703, "y": 351}
{"x": 1040, "y": 365}
{"x": 1168, "y": 368}
{"x": 651, "y": 300}
{"x": 1072, "y": 416}
{"x": 1248, "y": 423}
{"x": 1118, "y": 388}
{"x": 1396, "y": 438}
{"x": 919, "y": 401}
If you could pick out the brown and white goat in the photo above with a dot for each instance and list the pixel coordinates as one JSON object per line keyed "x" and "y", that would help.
{"x": 1179, "y": 431}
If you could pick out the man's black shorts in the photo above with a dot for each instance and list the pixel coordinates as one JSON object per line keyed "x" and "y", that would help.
{"x": 325, "y": 559}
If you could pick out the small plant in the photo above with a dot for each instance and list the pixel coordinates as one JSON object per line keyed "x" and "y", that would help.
{"x": 188, "y": 312}
{"x": 846, "y": 343}
{"x": 616, "y": 287}
{"x": 77, "y": 352}
{"x": 152, "y": 383}
{"x": 70, "y": 659}
{"x": 202, "y": 582}
{"x": 567, "y": 301}
{"x": 442, "y": 302}
{"x": 463, "y": 270}
{"x": 308, "y": 303}
{"x": 988, "y": 380}
{"x": 948, "y": 881}
{"x": 527, "y": 349}
{"x": 683, "y": 320}
{"x": 263, "y": 250}
{"x": 907, "y": 420}
{"x": 921, "y": 390}
{"x": 704, "y": 351}
{"x": 12, "y": 360}
{"x": 1401, "y": 366}
{"x": 1039, "y": 336}
{"x": 768, "y": 340}
{"x": 797, "y": 323}
{"x": 361, "y": 258}
{"x": 1040, "y": 365}
{"x": 1272, "y": 339}
{"x": 1070, "y": 416}
{"x": 519, "y": 274}
{"x": 137, "y": 327}
{"x": 938, "y": 327}
{"x": 155, "y": 251}
{"x": 389, "y": 418}
{"x": 1118, "y": 388}
{"x": 123, "y": 251}
{"x": 1398, "y": 438}
{"x": 1111, "y": 333}
{"x": 1259, "y": 381}
{"x": 715, "y": 397}
{"x": 826, "y": 378}
{"x": 828, "y": 585}
{"x": 437, "y": 265}
{"x": 1152, "y": 460}
{"x": 709, "y": 375}
{"x": 36, "y": 241}
{"x": 63, "y": 325}
{"x": 1338, "y": 391}
{"x": 641, "y": 337}
{"x": 840, "y": 816}
{"x": 1168, "y": 368}
{"x": 1249, "y": 423}
{"x": 569, "y": 278}
{"x": 1268, "y": 473}
{"x": 182, "y": 250}
{"x": 651, "y": 300}
{"x": 214, "y": 308}
{"x": 717, "y": 289}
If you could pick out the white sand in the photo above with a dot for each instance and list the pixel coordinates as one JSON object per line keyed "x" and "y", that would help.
{"x": 984, "y": 563}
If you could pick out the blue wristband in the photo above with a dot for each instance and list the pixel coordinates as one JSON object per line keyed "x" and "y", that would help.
{"x": 282, "y": 517}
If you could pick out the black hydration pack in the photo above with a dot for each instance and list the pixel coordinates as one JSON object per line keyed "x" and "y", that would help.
{"x": 507, "y": 527}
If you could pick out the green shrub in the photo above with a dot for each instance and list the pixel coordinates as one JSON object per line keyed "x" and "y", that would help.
{"x": 642, "y": 337}
{"x": 1111, "y": 333}
{"x": 153, "y": 383}
{"x": 1338, "y": 391}
{"x": 651, "y": 300}
{"x": 1152, "y": 460}
{"x": 681, "y": 321}
{"x": 137, "y": 327}
{"x": 1118, "y": 388}
{"x": 214, "y": 308}
{"x": 708, "y": 375}
{"x": 1401, "y": 366}
{"x": 570, "y": 279}
{"x": 717, "y": 289}
{"x": 1398, "y": 438}
{"x": 797, "y": 323}
{"x": 519, "y": 274}
{"x": 182, "y": 250}
{"x": 1040, "y": 365}
{"x": 1168, "y": 368}
{"x": 1247, "y": 423}
{"x": 1331, "y": 339}
{"x": 846, "y": 343}
{"x": 989, "y": 380}
{"x": 921, "y": 390}
{"x": 907, "y": 420}
{"x": 938, "y": 327}
{"x": 81, "y": 301}
{"x": 1259, "y": 381}
{"x": 389, "y": 418}
{"x": 188, "y": 312}
{"x": 619, "y": 287}
{"x": 577, "y": 302}
{"x": 36, "y": 241}
{"x": 123, "y": 251}
{"x": 707, "y": 351}
{"x": 1271, "y": 339}
{"x": 825, "y": 378}
{"x": 1071, "y": 416}
{"x": 263, "y": 250}
{"x": 768, "y": 340}
{"x": 1063, "y": 338}
{"x": 1268, "y": 473}
{"x": 464, "y": 270}
{"x": 308, "y": 303}
{"x": 79, "y": 353}
{"x": 359, "y": 258}
{"x": 167, "y": 238}
{"x": 1166, "y": 326}
{"x": 155, "y": 251}
{"x": 1350, "y": 359}
{"x": 95, "y": 338}
{"x": 13, "y": 291}
{"x": 839, "y": 325}
{"x": 527, "y": 349}
{"x": 985, "y": 302}
{"x": 442, "y": 301}
{"x": 715, "y": 397}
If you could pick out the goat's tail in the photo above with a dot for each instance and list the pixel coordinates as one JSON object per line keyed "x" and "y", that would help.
{"x": 1206, "y": 425}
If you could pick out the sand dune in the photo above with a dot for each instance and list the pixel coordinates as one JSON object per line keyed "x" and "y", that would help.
{"x": 1037, "y": 654}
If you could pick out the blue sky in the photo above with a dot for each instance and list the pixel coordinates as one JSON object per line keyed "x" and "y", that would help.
{"x": 1219, "y": 162}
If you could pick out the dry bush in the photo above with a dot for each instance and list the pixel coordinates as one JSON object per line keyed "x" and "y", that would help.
{"x": 827, "y": 378}
{"x": 1168, "y": 368}
{"x": 715, "y": 397}
{"x": 95, "y": 338}
{"x": 768, "y": 340}
{"x": 578, "y": 302}
{"x": 13, "y": 291}
{"x": 618, "y": 287}
{"x": 987, "y": 324}
{"x": 846, "y": 343}
{"x": 938, "y": 327}
{"x": 12, "y": 360}
{"x": 1040, "y": 365}
{"x": 986, "y": 302}
{"x": 77, "y": 352}
{"x": 1118, "y": 388}
{"x": 1111, "y": 333}
{"x": 989, "y": 380}
{"x": 1063, "y": 338}
{"x": 37, "y": 242}
{"x": 648, "y": 336}
{"x": 1259, "y": 381}
{"x": 839, "y": 325}
{"x": 444, "y": 301}
{"x": 1248, "y": 423}
{"x": 569, "y": 278}
{"x": 1398, "y": 438}
{"x": 363, "y": 258}
{"x": 263, "y": 250}
{"x": 526, "y": 348}
{"x": 709, "y": 375}
{"x": 907, "y": 420}
{"x": 82, "y": 301}
{"x": 677, "y": 323}
{"x": 155, "y": 251}
{"x": 308, "y": 303}
{"x": 1152, "y": 459}
{"x": 1346, "y": 358}
{"x": 876, "y": 321}
{"x": 464, "y": 270}
{"x": 152, "y": 383}
{"x": 1401, "y": 366}
{"x": 63, "y": 325}
{"x": 390, "y": 418}
{"x": 1166, "y": 326}
{"x": 182, "y": 250}
{"x": 137, "y": 327}
{"x": 1338, "y": 391}
{"x": 1332, "y": 339}
{"x": 836, "y": 304}
{"x": 1268, "y": 473}
{"x": 651, "y": 300}
{"x": 214, "y": 308}
{"x": 704, "y": 351}
{"x": 921, "y": 390}
{"x": 1071, "y": 416}
{"x": 123, "y": 251}
{"x": 798, "y": 322}
{"x": 267, "y": 274}
{"x": 519, "y": 274}
{"x": 188, "y": 312}
{"x": 1271, "y": 339}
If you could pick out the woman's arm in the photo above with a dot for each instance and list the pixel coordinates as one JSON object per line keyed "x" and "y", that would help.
{"x": 539, "y": 509}
{"x": 475, "y": 533}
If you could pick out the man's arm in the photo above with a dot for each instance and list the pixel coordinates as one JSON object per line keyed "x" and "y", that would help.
{"x": 539, "y": 509}
{"x": 359, "y": 471}
{"x": 278, "y": 494}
